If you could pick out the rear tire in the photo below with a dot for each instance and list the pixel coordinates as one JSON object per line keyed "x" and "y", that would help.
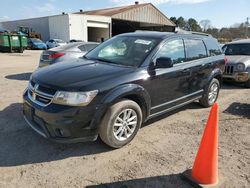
{"x": 121, "y": 123}
{"x": 211, "y": 93}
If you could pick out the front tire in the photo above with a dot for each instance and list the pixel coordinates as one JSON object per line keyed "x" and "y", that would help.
{"x": 121, "y": 123}
{"x": 211, "y": 93}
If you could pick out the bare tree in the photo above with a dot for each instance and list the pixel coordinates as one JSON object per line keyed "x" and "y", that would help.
{"x": 205, "y": 24}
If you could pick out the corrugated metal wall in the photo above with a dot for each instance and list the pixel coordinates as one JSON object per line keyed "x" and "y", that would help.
{"x": 147, "y": 14}
{"x": 39, "y": 25}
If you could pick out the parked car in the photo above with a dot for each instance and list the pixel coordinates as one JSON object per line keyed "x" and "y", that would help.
{"x": 238, "y": 62}
{"x": 36, "y": 44}
{"x": 52, "y": 43}
{"x": 122, "y": 83}
{"x": 66, "y": 52}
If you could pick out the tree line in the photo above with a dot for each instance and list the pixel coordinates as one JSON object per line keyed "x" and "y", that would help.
{"x": 225, "y": 34}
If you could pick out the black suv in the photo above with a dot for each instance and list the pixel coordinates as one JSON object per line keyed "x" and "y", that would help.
{"x": 122, "y": 83}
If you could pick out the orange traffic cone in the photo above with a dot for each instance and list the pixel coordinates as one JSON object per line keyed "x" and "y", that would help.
{"x": 205, "y": 169}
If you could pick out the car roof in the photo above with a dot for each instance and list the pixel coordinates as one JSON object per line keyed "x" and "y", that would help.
{"x": 163, "y": 35}
{"x": 242, "y": 41}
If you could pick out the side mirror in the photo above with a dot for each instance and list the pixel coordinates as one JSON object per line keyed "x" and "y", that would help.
{"x": 164, "y": 62}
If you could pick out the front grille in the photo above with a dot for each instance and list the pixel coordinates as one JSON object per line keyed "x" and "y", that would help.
{"x": 47, "y": 90}
{"x": 229, "y": 69}
{"x": 39, "y": 94}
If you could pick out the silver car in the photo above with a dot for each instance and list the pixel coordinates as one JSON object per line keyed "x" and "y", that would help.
{"x": 67, "y": 52}
{"x": 238, "y": 61}
{"x": 52, "y": 43}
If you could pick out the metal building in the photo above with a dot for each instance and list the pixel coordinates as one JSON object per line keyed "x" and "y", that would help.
{"x": 97, "y": 25}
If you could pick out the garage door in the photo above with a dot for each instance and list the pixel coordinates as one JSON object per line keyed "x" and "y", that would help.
{"x": 98, "y": 24}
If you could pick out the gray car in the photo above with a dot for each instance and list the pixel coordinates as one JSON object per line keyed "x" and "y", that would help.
{"x": 67, "y": 52}
{"x": 238, "y": 61}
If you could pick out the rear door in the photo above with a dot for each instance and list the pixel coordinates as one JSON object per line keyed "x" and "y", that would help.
{"x": 201, "y": 65}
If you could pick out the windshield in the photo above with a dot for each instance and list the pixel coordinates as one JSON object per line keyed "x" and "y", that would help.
{"x": 124, "y": 50}
{"x": 237, "y": 49}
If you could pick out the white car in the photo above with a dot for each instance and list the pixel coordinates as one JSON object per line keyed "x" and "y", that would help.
{"x": 54, "y": 43}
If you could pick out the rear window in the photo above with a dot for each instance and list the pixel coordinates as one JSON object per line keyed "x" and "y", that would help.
{"x": 90, "y": 46}
{"x": 213, "y": 48}
{"x": 195, "y": 49}
{"x": 237, "y": 49}
{"x": 68, "y": 47}
{"x": 35, "y": 40}
{"x": 59, "y": 41}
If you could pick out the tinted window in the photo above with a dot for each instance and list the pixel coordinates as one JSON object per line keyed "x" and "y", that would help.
{"x": 195, "y": 49}
{"x": 213, "y": 48}
{"x": 82, "y": 48}
{"x": 173, "y": 49}
{"x": 237, "y": 49}
{"x": 90, "y": 46}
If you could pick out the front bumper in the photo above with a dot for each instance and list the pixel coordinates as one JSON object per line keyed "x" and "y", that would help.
{"x": 238, "y": 76}
{"x": 64, "y": 124}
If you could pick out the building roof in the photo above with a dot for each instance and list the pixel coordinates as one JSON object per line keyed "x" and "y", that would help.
{"x": 114, "y": 10}
{"x": 145, "y": 12}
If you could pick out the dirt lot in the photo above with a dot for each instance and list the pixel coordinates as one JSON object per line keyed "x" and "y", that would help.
{"x": 162, "y": 150}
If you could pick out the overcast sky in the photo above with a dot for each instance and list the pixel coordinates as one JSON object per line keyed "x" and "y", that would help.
{"x": 220, "y": 12}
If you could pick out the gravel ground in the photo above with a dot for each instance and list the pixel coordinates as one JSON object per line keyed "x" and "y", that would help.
{"x": 163, "y": 149}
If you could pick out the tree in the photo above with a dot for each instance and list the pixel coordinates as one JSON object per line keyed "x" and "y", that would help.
{"x": 180, "y": 22}
{"x": 206, "y": 24}
{"x": 213, "y": 31}
{"x": 193, "y": 25}
{"x": 174, "y": 20}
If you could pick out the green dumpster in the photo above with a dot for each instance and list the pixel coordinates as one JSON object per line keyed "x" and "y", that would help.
{"x": 13, "y": 42}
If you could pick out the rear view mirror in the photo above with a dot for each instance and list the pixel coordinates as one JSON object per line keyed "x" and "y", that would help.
{"x": 164, "y": 62}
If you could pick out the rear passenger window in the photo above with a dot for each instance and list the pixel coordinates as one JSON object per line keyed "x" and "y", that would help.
{"x": 195, "y": 49}
{"x": 213, "y": 48}
{"x": 173, "y": 49}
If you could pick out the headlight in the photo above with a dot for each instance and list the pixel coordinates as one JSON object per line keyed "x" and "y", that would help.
{"x": 240, "y": 67}
{"x": 74, "y": 98}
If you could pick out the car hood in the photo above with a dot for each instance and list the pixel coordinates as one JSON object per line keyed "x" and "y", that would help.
{"x": 239, "y": 59}
{"x": 78, "y": 75}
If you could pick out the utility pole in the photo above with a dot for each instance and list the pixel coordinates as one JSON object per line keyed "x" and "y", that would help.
{"x": 247, "y": 25}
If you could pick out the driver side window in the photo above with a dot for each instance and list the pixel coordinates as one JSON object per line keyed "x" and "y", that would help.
{"x": 173, "y": 49}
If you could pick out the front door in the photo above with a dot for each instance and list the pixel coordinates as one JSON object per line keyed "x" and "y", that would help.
{"x": 170, "y": 86}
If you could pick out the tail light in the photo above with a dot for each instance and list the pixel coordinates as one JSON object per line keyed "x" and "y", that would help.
{"x": 56, "y": 55}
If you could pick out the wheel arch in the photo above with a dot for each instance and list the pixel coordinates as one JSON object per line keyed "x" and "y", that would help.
{"x": 217, "y": 74}
{"x": 132, "y": 92}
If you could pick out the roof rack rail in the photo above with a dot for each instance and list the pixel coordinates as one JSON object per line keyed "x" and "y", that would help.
{"x": 200, "y": 33}
{"x": 181, "y": 31}
{"x": 149, "y": 31}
